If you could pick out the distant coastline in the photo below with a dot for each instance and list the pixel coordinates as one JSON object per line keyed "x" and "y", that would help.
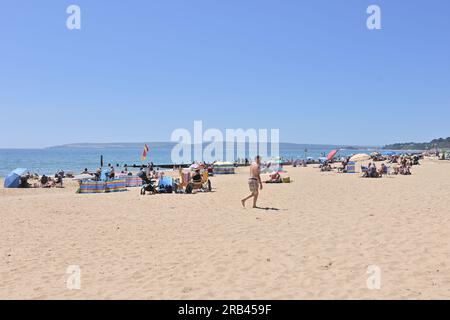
{"x": 440, "y": 143}
{"x": 134, "y": 145}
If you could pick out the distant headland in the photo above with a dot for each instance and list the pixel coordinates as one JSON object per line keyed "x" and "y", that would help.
{"x": 440, "y": 143}
{"x": 135, "y": 145}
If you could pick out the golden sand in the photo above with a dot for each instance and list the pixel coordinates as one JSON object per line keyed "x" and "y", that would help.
{"x": 315, "y": 239}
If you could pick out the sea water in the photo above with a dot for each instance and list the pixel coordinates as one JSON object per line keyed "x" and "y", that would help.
{"x": 50, "y": 160}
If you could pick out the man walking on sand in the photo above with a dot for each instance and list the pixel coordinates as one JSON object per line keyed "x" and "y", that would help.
{"x": 254, "y": 182}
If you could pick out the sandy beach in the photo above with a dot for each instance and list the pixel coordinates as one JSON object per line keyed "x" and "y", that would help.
{"x": 315, "y": 239}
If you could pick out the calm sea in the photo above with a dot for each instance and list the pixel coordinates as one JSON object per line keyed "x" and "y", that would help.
{"x": 49, "y": 161}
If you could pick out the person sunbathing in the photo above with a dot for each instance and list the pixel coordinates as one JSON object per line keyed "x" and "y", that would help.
{"x": 373, "y": 173}
{"x": 24, "y": 182}
{"x": 405, "y": 170}
{"x": 344, "y": 164}
{"x": 274, "y": 178}
{"x": 47, "y": 182}
{"x": 325, "y": 167}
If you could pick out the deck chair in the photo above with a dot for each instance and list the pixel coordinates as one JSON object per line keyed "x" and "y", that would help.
{"x": 165, "y": 185}
{"x": 205, "y": 184}
{"x": 185, "y": 184}
{"x": 185, "y": 177}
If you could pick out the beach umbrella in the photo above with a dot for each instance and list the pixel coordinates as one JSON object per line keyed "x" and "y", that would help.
{"x": 332, "y": 154}
{"x": 83, "y": 177}
{"x": 360, "y": 157}
{"x": 375, "y": 154}
{"x": 389, "y": 153}
{"x": 13, "y": 179}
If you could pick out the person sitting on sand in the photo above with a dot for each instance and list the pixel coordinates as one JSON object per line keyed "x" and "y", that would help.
{"x": 111, "y": 172}
{"x": 373, "y": 171}
{"x": 59, "y": 178}
{"x": 44, "y": 180}
{"x": 395, "y": 170}
{"x": 405, "y": 170}
{"x": 47, "y": 182}
{"x": 383, "y": 169}
{"x": 197, "y": 177}
{"x": 24, "y": 182}
{"x": 344, "y": 165}
{"x": 98, "y": 174}
{"x": 325, "y": 167}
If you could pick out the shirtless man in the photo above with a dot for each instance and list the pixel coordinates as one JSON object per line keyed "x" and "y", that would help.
{"x": 254, "y": 182}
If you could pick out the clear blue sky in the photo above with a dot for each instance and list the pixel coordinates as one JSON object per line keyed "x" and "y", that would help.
{"x": 139, "y": 69}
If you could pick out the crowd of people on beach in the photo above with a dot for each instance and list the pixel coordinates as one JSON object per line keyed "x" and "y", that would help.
{"x": 401, "y": 165}
{"x": 34, "y": 180}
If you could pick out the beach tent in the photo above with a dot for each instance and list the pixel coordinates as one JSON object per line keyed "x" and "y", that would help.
{"x": 360, "y": 157}
{"x": 13, "y": 179}
{"x": 223, "y": 168}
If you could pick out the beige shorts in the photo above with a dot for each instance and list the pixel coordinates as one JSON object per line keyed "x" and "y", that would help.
{"x": 253, "y": 185}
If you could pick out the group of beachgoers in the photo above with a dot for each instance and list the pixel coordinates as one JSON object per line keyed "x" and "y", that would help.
{"x": 34, "y": 180}
{"x": 110, "y": 172}
{"x": 373, "y": 172}
{"x": 401, "y": 165}
{"x": 192, "y": 180}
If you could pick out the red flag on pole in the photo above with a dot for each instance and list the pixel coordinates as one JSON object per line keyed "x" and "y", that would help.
{"x": 144, "y": 154}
